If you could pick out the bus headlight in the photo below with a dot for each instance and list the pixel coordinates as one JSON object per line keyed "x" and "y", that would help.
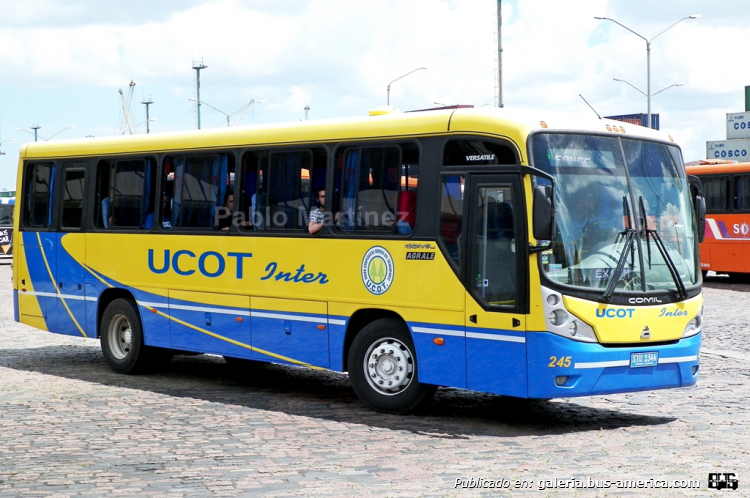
{"x": 558, "y": 318}
{"x": 573, "y": 328}
{"x": 694, "y": 326}
{"x": 561, "y": 322}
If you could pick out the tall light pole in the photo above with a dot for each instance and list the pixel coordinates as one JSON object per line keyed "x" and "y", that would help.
{"x": 147, "y": 102}
{"x": 648, "y": 56}
{"x": 198, "y": 65}
{"x": 499, "y": 53}
{"x": 388, "y": 101}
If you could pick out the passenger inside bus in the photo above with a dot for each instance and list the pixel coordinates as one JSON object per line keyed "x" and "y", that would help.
{"x": 225, "y": 213}
{"x": 166, "y": 214}
{"x": 316, "y": 215}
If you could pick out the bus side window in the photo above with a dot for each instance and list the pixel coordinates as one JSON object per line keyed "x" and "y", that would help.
{"x": 451, "y": 214}
{"x": 103, "y": 204}
{"x": 74, "y": 181}
{"x": 124, "y": 192}
{"x": 285, "y": 202}
{"x": 407, "y": 197}
{"x": 376, "y": 188}
{"x": 248, "y": 189}
{"x": 276, "y": 188}
{"x": 742, "y": 193}
{"x": 717, "y": 194}
{"x": 38, "y": 202}
{"x": 201, "y": 184}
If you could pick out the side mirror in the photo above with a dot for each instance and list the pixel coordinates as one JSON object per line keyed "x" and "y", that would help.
{"x": 699, "y": 204}
{"x": 700, "y": 216}
{"x": 543, "y": 213}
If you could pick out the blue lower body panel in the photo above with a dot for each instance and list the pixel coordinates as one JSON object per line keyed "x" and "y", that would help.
{"x": 584, "y": 369}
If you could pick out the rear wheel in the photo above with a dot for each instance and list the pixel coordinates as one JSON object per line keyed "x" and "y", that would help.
{"x": 383, "y": 368}
{"x": 122, "y": 340}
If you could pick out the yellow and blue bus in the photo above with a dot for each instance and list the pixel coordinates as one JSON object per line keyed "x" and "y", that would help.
{"x": 482, "y": 249}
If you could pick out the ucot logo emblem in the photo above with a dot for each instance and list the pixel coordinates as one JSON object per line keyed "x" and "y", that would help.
{"x": 644, "y": 300}
{"x": 615, "y": 313}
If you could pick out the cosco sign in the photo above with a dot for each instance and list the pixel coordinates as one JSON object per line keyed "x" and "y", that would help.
{"x": 741, "y": 126}
{"x": 730, "y": 153}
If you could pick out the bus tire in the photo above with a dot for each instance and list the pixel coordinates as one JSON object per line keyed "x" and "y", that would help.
{"x": 121, "y": 340}
{"x": 383, "y": 368}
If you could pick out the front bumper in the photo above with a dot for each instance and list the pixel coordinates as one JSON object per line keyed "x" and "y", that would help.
{"x": 583, "y": 369}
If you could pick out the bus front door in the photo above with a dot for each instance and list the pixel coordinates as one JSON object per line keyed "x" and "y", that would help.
{"x": 496, "y": 285}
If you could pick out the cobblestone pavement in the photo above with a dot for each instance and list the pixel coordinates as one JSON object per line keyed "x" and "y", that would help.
{"x": 71, "y": 427}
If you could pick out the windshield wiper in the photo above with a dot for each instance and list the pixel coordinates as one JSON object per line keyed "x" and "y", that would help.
{"x": 662, "y": 249}
{"x": 630, "y": 234}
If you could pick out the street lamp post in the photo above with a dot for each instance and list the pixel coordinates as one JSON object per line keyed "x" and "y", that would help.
{"x": 198, "y": 65}
{"x": 648, "y": 57}
{"x": 644, "y": 93}
{"x": 388, "y": 100}
{"x": 212, "y": 107}
{"x": 8, "y": 140}
{"x": 243, "y": 109}
{"x": 37, "y": 136}
{"x": 149, "y": 120}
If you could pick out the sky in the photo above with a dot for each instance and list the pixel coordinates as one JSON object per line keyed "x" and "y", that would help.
{"x": 64, "y": 62}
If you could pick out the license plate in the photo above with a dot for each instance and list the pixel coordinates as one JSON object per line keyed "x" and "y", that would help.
{"x": 638, "y": 360}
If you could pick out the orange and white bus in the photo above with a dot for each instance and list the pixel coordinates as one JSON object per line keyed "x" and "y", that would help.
{"x": 726, "y": 248}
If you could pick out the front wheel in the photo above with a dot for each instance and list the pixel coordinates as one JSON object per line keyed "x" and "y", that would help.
{"x": 383, "y": 368}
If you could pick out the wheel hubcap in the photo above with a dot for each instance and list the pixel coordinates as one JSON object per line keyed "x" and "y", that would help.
{"x": 389, "y": 366}
{"x": 120, "y": 337}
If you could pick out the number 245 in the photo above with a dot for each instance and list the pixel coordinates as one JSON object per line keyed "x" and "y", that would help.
{"x": 561, "y": 362}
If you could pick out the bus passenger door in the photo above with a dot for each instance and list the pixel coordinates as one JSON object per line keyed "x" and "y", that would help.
{"x": 496, "y": 285}
{"x": 70, "y": 250}
{"x": 290, "y": 331}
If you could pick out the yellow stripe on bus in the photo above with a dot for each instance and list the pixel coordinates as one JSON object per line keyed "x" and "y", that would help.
{"x": 54, "y": 284}
{"x": 232, "y": 341}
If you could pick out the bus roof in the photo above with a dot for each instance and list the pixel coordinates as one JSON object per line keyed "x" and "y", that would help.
{"x": 513, "y": 124}
{"x": 714, "y": 169}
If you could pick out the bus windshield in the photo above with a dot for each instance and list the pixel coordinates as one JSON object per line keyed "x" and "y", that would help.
{"x": 620, "y": 202}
